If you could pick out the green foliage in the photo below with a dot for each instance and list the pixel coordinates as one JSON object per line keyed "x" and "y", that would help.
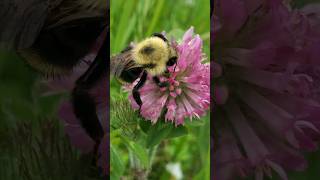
{"x": 117, "y": 167}
{"x": 33, "y": 145}
{"x": 302, "y": 3}
{"x": 142, "y": 150}
{"x": 161, "y": 131}
{"x": 135, "y": 20}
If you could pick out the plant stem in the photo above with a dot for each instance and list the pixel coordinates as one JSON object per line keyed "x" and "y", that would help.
{"x": 138, "y": 171}
{"x": 152, "y": 152}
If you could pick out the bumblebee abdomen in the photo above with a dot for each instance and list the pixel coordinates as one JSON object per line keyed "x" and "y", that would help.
{"x": 130, "y": 75}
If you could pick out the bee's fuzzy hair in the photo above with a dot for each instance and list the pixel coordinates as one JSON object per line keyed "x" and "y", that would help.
{"x": 159, "y": 56}
{"x": 34, "y": 60}
{"x": 61, "y": 11}
{"x": 79, "y": 4}
{"x": 94, "y": 4}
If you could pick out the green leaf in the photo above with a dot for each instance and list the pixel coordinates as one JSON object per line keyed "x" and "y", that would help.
{"x": 161, "y": 131}
{"x": 204, "y": 172}
{"x": 117, "y": 166}
{"x": 157, "y": 133}
{"x": 177, "y": 132}
{"x": 141, "y": 153}
{"x": 145, "y": 125}
{"x": 138, "y": 150}
{"x": 195, "y": 123}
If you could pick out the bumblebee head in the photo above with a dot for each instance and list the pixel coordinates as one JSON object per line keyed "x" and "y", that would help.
{"x": 154, "y": 54}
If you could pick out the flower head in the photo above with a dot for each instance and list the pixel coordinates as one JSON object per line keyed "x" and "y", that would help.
{"x": 267, "y": 87}
{"x": 187, "y": 93}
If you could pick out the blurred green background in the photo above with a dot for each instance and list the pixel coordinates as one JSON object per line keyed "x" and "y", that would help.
{"x": 132, "y": 21}
{"x": 33, "y": 145}
{"x": 137, "y": 19}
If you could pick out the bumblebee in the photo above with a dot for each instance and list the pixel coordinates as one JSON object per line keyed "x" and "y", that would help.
{"x": 53, "y": 36}
{"x": 151, "y": 56}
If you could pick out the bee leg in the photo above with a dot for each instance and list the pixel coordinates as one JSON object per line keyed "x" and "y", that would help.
{"x": 85, "y": 111}
{"x": 135, "y": 90}
{"x": 159, "y": 83}
{"x": 84, "y": 105}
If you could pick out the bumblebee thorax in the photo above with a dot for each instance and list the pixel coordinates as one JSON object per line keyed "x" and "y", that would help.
{"x": 152, "y": 54}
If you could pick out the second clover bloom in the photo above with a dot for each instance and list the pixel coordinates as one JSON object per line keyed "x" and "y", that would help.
{"x": 266, "y": 87}
{"x": 187, "y": 93}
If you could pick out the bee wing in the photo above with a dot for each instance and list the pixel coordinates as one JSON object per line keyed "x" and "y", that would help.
{"x": 121, "y": 62}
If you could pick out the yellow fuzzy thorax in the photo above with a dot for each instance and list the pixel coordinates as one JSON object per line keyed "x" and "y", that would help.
{"x": 159, "y": 56}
